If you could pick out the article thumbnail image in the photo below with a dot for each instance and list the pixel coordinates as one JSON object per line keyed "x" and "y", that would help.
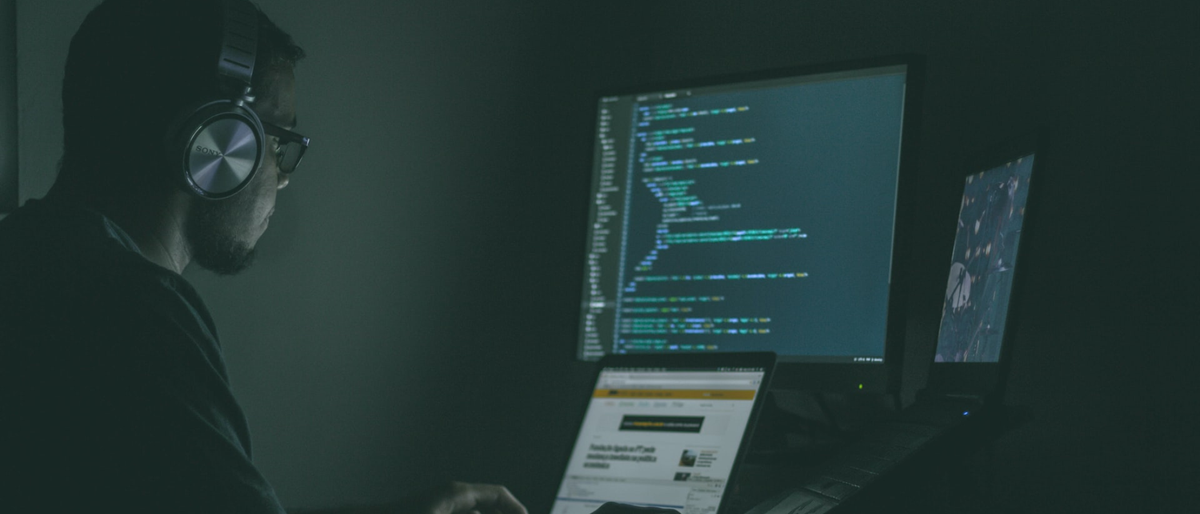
{"x": 688, "y": 459}
{"x": 983, "y": 262}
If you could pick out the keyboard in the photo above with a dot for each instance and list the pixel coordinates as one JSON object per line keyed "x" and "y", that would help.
{"x": 879, "y": 451}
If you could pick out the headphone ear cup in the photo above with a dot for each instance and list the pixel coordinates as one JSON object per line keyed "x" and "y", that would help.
{"x": 216, "y": 149}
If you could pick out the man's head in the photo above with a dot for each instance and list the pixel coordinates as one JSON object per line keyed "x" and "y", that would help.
{"x": 222, "y": 233}
{"x": 137, "y": 66}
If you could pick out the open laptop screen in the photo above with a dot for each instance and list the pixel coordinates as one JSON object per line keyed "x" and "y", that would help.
{"x": 660, "y": 437}
{"x": 990, "y": 221}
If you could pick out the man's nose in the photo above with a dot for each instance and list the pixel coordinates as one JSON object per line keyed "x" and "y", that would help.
{"x": 284, "y": 178}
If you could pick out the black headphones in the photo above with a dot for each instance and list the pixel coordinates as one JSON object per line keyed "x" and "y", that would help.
{"x": 220, "y": 144}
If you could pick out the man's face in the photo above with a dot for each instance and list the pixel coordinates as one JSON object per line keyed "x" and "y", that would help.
{"x": 222, "y": 233}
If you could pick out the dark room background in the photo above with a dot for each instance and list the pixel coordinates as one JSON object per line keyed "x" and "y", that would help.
{"x": 413, "y": 314}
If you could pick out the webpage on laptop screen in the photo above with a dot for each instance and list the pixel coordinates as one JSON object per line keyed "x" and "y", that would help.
{"x": 659, "y": 438}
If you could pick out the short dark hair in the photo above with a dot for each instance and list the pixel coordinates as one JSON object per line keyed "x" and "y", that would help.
{"x": 132, "y": 68}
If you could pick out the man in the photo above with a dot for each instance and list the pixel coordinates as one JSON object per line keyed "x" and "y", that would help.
{"x": 113, "y": 392}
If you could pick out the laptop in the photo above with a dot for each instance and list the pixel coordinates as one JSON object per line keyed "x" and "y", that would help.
{"x": 966, "y": 380}
{"x": 666, "y": 431}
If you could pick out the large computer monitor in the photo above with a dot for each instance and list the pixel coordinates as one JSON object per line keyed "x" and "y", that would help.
{"x": 759, "y": 212}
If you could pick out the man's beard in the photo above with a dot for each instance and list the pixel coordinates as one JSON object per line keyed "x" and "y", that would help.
{"x": 209, "y": 232}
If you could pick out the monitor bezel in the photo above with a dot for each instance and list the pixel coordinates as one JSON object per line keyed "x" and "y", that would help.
{"x": 793, "y": 373}
{"x": 683, "y": 361}
{"x": 987, "y": 380}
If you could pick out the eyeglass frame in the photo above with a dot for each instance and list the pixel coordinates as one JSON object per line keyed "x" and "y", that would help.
{"x": 286, "y": 138}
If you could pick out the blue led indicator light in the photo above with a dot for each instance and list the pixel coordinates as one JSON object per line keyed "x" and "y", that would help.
{"x": 966, "y": 413}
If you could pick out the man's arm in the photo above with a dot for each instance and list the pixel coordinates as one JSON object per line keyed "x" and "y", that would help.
{"x": 452, "y": 498}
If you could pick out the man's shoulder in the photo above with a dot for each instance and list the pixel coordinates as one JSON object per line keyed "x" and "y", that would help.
{"x": 75, "y": 275}
{"x": 112, "y": 373}
{"x": 45, "y": 238}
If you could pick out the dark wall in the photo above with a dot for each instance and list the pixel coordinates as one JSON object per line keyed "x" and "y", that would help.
{"x": 413, "y": 314}
{"x": 8, "y": 104}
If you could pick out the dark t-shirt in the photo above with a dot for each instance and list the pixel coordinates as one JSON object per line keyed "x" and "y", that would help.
{"x": 113, "y": 390}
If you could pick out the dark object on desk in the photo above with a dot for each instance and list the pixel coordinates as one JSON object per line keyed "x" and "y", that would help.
{"x": 869, "y": 474}
{"x": 960, "y": 408}
{"x": 622, "y": 508}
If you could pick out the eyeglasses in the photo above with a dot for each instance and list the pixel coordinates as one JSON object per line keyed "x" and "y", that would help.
{"x": 290, "y": 149}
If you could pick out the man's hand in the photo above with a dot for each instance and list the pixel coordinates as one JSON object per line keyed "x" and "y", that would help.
{"x": 452, "y": 498}
{"x": 460, "y": 498}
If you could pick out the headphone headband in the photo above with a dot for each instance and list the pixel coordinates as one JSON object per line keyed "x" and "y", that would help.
{"x": 239, "y": 45}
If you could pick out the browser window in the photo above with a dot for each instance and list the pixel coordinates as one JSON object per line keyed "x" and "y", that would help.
{"x": 660, "y": 438}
